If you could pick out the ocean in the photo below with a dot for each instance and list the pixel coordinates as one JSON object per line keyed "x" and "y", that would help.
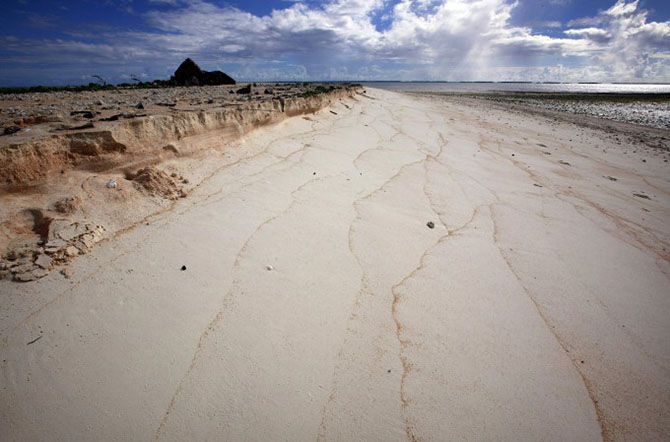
{"x": 521, "y": 87}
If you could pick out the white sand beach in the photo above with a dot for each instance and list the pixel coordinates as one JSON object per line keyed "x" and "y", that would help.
{"x": 317, "y": 304}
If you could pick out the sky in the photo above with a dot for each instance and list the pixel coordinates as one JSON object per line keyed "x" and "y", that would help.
{"x": 52, "y": 42}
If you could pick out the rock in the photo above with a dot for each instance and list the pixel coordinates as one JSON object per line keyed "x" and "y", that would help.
{"x": 83, "y": 113}
{"x": 23, "y": 268}
{"x": 88, "y": 125}
{"x": 43, "y": 261}
{"x": 111, "y": 184}
{"x": 39, "y": 273}
{"x": 269, "y": 268}
{"x": 62, "y": 229}
{"x": 24, "y": 260}
{"x": 23, "y": 277}
{"x": 66, "y": 273}
{"x": 183, "y": 268}
{"x": 139, "y": 106}
{"x": 67, "y": 205}
{"x": 430, "y": 224}
{"x": 245, "y": 90}
{"x": 215, "y": 78}
{"x": 190, "y": 74}
{"x": 53, "y": 246}
{"x": 31, "y": 275}
{"x": 267, "y": 92}
{"x": 12, "y": 130}
{"x": 55, "y": 227}
{"x": 171, "y": 148}
{"x": 71, "y": 251}
{"x": 88, "y": 240}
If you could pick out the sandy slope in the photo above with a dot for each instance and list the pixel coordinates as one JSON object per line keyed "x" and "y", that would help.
{"x": 317, "y": 304}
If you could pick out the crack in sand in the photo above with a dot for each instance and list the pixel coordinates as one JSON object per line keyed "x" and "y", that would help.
{"x": 172, "y": 205}
{"x": 605, "y": 424}
{"x": 227, "y": 299}
{"x": 404, "y": 343}
{"x": 635, "y": 238}
{"x": 363, "y": 290}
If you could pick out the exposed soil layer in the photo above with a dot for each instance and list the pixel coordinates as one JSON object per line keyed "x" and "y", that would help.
{"x": 98, "y": 167}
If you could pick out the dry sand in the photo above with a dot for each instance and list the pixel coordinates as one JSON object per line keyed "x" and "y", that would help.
{"x": 317, "y": 304}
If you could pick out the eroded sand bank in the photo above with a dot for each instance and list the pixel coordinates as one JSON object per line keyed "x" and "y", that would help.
{"x": 317, "y": 304}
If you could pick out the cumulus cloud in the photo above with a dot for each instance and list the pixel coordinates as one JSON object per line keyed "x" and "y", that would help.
{"x": 341, "y": 39}
{"x": 626, "y": 45}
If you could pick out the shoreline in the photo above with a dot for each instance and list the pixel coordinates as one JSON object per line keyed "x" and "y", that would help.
{"x": 648, "y": 110}
{"x": 401, "y": 267}
{"x": 654, "y": 140}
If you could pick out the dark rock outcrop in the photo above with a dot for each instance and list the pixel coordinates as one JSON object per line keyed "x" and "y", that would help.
{"x": 189, "y": 74}
{"x": 245, "y": 90}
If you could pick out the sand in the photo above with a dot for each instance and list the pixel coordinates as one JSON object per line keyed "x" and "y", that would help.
{"x": 298, "y": 293}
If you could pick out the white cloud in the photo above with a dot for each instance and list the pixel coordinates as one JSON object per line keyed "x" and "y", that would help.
{"x": 421, "y": 39}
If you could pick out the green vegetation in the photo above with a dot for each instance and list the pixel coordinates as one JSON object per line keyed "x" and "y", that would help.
{"x": 318, "y": 90}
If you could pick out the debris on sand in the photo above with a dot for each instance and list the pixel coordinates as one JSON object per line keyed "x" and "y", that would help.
{"x": 430, "y": 224}
{"x": 157, "y": 183}
{"x": 67, "y": 206}
{"x": 63, "y": 239}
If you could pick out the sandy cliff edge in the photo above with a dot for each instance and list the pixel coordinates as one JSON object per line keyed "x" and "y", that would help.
{"x": 63, "y": 191}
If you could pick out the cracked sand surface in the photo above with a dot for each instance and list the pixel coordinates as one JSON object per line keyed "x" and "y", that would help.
{"x": 317, "y": 305}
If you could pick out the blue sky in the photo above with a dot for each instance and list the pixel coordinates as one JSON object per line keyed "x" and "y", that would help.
{"x": 57, "y": 42}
